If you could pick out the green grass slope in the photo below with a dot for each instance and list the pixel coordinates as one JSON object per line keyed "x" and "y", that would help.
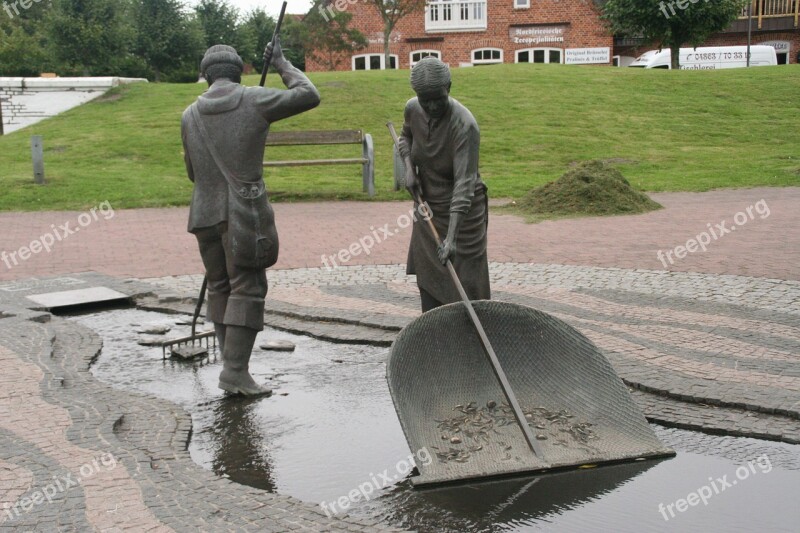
{"x": 666, "y": 131}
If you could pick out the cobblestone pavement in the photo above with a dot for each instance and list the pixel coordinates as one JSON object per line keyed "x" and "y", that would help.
{"x": 712, "y": 345}
{"x": 145, "y": 243}
{"x": 720, "y": 353}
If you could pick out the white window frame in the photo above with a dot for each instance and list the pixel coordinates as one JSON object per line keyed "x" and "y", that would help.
{"x": 526, "y": 5}
{"x": 546, "y": 55}
{"x": 456, "y": 15}
{"x": 367, "y": 63}
{"x": 436, "y": 53}
{"x": 485, "y": 61}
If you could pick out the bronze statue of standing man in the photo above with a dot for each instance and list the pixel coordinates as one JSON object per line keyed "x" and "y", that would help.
{"x": 443, "y": 140}
{"x": 224, "y": 134}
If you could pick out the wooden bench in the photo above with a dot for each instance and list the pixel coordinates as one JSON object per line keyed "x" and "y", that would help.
{"x": 300, "y": 138}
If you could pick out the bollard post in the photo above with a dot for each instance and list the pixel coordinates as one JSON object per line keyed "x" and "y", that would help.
{"x": 37, "y": 154}
{"x": 1, "y": 118}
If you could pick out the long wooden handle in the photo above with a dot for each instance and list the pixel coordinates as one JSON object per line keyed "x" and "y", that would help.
{"x": 199, "y": 306}
{"x": 268, "y": 58}
{"x": 487, "y": 346}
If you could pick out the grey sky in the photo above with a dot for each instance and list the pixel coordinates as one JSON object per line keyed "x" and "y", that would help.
{"x": 273, "y": 7}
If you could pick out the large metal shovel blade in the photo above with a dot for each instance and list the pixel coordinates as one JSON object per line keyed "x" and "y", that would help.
{"x": 450, "y": 403}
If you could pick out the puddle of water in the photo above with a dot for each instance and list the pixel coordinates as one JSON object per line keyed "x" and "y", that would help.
{"x": 330, "y": 428}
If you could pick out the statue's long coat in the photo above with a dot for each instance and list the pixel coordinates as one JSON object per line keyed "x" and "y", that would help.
{"x": 445, "y": 152}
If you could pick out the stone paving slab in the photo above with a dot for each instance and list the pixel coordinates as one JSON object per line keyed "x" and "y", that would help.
{"x": 50, "y": 301}
{"x": 19, "y": 295}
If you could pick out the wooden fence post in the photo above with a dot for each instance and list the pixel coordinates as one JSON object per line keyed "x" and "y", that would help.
{"x": 37, "y": 153}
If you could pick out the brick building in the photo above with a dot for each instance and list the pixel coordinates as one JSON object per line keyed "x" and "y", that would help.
{"x": 479, "y": 32}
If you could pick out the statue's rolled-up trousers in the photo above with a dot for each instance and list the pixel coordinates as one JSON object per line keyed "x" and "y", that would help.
{"x": 235, "y": 295}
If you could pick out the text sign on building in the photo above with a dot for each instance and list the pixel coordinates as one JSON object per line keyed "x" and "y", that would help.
{"x": 377, "y": 37}
{"x": 536, "y": 34}
{"x": 781, "y": 47}
{"x": 585, "y": 56}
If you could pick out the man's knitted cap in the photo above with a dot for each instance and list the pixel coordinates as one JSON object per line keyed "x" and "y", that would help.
{"x": 218, "y": 54}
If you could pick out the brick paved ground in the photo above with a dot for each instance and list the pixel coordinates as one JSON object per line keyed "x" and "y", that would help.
{"x": 153, "y": 242}
{"x": 704, "y": 346}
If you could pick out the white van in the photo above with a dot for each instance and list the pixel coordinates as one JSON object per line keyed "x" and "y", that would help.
{"x": 709, "y": 58}
{"x": 622, "y": 61}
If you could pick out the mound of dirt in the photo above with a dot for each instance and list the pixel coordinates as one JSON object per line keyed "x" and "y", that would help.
{"x": 591, "y": 188}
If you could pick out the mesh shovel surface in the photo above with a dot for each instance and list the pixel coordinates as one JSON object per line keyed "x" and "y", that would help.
{"x": 450, "y": 403}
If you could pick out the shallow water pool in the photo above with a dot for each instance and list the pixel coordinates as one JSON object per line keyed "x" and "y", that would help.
{"x": 330, "y": 435}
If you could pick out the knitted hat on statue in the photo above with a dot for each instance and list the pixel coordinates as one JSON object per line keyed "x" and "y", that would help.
{"x": 221, "y": 54}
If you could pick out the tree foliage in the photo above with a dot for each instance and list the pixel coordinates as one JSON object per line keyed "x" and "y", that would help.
{"x": 329, "y": 39}
{"x": 89, "y": 37}
{"x": 219, "y": 22}
{"x": 162, "y": 40}
{"x": 21, "y": 53}
{"x": 671, "y": 24}
{"x": 391, "y": 12}
{"x": 166, "y": 40}
{"x": 22, "y": 43}
{"x": 293, "y": 41}
{"x": 255, "y": 32}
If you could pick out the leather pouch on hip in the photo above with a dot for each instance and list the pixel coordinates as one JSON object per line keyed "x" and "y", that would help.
{"x": 251, "y": 220}
{"x": 251, "y": 230}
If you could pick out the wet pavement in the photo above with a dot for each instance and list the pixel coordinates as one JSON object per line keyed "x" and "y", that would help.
{"x": 78, "y": 455}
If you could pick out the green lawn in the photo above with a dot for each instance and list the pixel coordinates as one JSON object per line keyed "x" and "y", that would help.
{"x": 666, "y": 130}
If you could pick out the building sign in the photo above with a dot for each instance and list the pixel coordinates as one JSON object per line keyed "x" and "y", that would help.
{"x": 781, "y": 47}
{"x": 537, "y": 34}
{"x": 377, "y": 37}
{"x": 585, "y": 56}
